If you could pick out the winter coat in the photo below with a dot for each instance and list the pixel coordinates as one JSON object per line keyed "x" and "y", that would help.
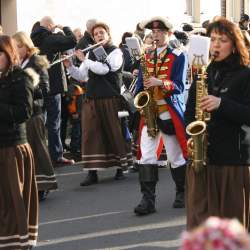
{"x": 229, "y": 127}
{"x": 85, "y": 41}
{"x": 52, "y": 45}
{"x": 39, "y": 65}
{"x": 16, "y": 101}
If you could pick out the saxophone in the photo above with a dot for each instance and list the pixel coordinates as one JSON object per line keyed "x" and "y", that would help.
{"x": 146, "y": 104}
{"x": 197, "y": 144}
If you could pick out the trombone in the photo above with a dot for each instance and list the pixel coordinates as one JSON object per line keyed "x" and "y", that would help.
{"x": 69, "y": 56}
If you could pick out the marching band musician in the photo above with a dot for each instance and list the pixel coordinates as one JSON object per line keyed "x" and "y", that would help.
{"x": 36, "y": 136}
{"x": 222, "y": 187}
{"x": 103, "y": 143}
{"x": 166, "y": 69}
{"x": 18, "y": 190}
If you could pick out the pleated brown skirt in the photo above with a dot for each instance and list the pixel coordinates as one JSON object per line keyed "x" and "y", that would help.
{"x": 45, "y": 176}
{"x": 221, "y": 191}
{"x": 104, "y": 145}
{"x": 18, "y": 198}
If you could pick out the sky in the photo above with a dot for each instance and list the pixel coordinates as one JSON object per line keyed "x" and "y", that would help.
{"x": 120, "y": 15}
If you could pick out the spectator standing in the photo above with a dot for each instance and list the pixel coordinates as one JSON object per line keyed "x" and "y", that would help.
{"x": 87, "y": 38}
{"x": 52, "y": 45}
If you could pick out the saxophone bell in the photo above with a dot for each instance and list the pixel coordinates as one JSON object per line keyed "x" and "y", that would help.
{"x": 141, "y": 100}
{"x": 196, "y": 145}
{"x": 146, "y": 106}
{"x": 144, "y": 101}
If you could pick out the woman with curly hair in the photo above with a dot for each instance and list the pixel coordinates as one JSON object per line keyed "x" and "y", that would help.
{"x": 222, "y": 188}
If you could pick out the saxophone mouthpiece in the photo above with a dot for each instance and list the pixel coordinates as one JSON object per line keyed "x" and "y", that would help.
{"x": 215, "y": 54}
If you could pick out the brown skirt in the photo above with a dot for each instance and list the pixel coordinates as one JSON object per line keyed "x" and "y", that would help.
{"x": 221, "y": 191}
{"x": 104, "y": 145}
{"x": 45, "y": 176}
{"x": 18, "y": 198}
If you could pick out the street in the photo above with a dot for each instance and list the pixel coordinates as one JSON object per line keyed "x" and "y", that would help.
{"x": 101, "y": 216}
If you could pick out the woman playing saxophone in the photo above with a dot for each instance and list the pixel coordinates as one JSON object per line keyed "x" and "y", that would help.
{"x": 222, "y": 188}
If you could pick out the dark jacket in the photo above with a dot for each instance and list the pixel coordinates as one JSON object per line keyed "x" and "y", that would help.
{"x": 128, "y": 63}
{"x": 16, "y": 100}
{"x": 41, "y": 91}
{"x": 229, "y": 127}
{"x": 51, "y": 45}
{"x": 85, "y": 41}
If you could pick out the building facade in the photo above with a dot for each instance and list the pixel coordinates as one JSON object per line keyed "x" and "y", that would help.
{"x": 232, "y": 9}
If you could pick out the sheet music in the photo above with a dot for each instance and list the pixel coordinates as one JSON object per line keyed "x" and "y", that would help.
{"x": 134, "y": 47}
{"x": 100, "y": 54}
{"x": 199, "y": 48}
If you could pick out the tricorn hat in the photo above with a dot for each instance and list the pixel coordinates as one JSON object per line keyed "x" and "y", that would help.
{"x": 244, "y": 17}
{"x": 157, "y": 23}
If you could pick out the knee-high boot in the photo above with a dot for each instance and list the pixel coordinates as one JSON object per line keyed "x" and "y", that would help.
{"x": 148, "y": 177}
{"x": 178, "y": 175}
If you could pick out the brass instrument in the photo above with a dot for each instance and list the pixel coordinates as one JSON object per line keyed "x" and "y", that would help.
{"x": 197, "y": 144}
{"x": 146, "y": 104}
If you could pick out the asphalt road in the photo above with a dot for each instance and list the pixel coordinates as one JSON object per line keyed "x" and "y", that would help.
{"x": 101, "y": 216}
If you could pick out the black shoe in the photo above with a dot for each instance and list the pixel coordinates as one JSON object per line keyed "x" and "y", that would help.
{"x": 119, "y": 175}
{"x": 145, "y": 207}
{"x": 134, "y": 168}
{"x": 66, "y": 148}
{"x": 76, "y": 155}
{"x": 42, "y": 195}
{"x": 90, "y": 179}
{"x": 179, "y": 200}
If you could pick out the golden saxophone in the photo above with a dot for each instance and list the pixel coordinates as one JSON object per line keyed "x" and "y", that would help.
{"x": 197, "y": 144}
{"x": 146, "y": 104}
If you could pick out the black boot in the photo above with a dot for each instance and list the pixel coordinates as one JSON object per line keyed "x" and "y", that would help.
{"x": 148, "y": 176}
{"x": 119, "y": 174}
{"x": 178, "y": 175}
{"x": 42, "y": 194}
{"x": 90, "y": 179}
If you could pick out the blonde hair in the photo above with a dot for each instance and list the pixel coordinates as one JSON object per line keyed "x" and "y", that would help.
{"x": 23, "y": 38}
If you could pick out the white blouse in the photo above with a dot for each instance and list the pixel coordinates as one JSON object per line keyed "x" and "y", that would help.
{"x": 114, "y": 60}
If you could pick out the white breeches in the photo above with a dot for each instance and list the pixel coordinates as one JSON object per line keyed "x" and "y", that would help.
{"x": 149, "y": 149}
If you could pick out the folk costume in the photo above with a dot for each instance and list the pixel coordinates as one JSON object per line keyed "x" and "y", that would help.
{"x": 167, "y": 65}
{"x": 103, "y": 142}
{"x": 18, "y": 191}
{"x": 36, "y": 135}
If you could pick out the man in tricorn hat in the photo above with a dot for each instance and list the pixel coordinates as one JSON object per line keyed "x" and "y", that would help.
{"x": 165, "y": 67}
{"x": 244, "y": 22}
